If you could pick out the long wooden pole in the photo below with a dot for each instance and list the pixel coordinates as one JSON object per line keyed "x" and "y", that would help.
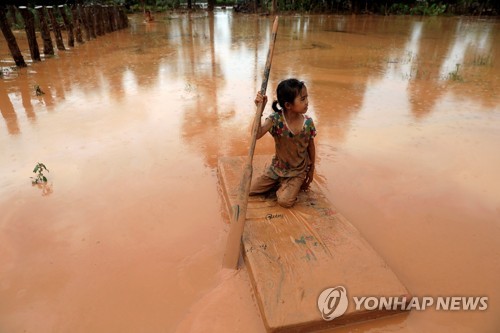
{"x": 240, "y": 208}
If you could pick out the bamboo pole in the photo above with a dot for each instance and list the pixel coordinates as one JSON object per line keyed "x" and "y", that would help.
{"x": 238, "y": 217}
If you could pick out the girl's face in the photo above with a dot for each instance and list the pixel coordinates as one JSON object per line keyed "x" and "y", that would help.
{"x": 300, "y": 103}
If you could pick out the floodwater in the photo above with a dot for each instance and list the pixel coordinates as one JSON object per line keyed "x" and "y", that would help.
{"x": 129, "y": 233}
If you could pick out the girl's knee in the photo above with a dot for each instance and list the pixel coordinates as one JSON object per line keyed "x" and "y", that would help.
{"x": 286, "y": 202}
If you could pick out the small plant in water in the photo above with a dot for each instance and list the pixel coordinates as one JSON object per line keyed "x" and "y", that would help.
{"x": 454, "y": 75}
{"x": 480, "y": 60}
{"x": 38, "y": 170}
{"x": 38, "y": 90}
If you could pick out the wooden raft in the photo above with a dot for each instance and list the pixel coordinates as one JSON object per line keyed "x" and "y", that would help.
{"x": 292, "y": 255}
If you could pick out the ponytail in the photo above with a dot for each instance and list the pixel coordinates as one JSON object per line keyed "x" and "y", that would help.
{"x": 275, "y": 106}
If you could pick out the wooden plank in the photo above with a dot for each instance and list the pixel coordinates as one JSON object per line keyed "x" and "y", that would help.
{"x": 294, "y": 254}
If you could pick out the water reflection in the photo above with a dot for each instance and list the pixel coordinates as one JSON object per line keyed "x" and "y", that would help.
{"x": 348, "y": 62}
{"x": 472, "y": 41}
{"x": 130, "y": 115}
{"x": 8, "y": 113}
{"x": 45, "y": 189}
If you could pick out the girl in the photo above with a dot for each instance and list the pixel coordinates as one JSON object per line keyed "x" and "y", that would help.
{"x": 292, "y": 166}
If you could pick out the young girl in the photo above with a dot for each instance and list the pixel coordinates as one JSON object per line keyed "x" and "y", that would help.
{"x": 292, "y": 166}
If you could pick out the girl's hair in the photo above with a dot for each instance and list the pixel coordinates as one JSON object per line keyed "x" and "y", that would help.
{"x": 286, "y": 92}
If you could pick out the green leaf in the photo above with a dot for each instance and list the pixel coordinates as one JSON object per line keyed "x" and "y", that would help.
{"x": 44, "y": 178}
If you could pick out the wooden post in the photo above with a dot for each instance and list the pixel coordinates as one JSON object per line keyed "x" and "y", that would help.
{"x": 56, "y": 29}
{"x": 92, "y": 22}
{"x": 82, "y": 13}
{"x": 77, "y": 23}
{"x": 114, "y": 17}
{"x": 111, "y": 19}
{"x": 103, "y": 22}
{"x": 69, "y": 25}
{"x": 240, "y": 209}
{"x": 95, "y": 20}
{"x": 105, "y": 19}
{"x": 122, "y": 18}
{"x": 116, "y": 14}
{"x": 29, "y": 27}
{"x": 10, "y": 38}
{"x": 48, "y": 48}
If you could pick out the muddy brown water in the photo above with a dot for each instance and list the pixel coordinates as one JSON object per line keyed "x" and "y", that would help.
{"x": 128, "y": 234}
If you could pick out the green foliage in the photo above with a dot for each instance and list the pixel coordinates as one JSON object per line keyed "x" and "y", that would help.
{"x": 38, "y": 170}
{"x": 399, "y": 7}
{"x": 420, "y": 7}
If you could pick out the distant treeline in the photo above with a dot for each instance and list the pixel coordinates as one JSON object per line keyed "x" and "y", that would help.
{"x": 384, "y": 7}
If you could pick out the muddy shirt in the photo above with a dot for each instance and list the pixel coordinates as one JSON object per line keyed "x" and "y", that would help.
{"x": 291, "y": 158}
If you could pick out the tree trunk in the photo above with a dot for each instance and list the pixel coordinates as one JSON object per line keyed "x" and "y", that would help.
{"x": 274, "y": 7}
{"x": 91, "y": 19}
{"x": 56, "y": 29}
{"x": 29, "y": 27}
{"x": 111, "y": 18}
{"x": 123, "y": 18}
{"x": 82, "y": 13}
{"x": 48, "y": 48}
{"x": 355, "y": 6}
{"x": 77, "y": 23}
{"x": 210, "y": 5}
{"x": 116, "y": 17}
{"x": 12, "y": 11}
{"x": 10, "y": 38}
{"x": 103, "y": 22}
{"x": 108, "y": 23}
{"x": 69, "y": 26}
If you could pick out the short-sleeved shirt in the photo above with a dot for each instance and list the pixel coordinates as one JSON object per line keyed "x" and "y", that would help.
{"x": 291, "y": 157}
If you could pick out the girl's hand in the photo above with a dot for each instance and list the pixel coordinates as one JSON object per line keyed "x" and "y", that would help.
{"x": 309, "y": 178}
{"x": 260, "y": 99}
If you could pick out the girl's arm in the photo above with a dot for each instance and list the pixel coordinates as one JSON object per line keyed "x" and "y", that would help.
{"x": 311, "y": 150}
{"x": 264, "y": 128}
{"x": 267, "y": 123}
